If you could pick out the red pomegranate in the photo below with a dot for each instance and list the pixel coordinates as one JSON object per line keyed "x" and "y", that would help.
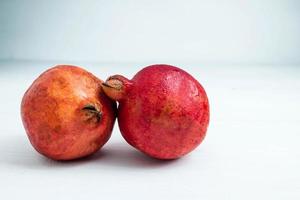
{"x": 163, "y": 111}
{"x": 66, "y": 114}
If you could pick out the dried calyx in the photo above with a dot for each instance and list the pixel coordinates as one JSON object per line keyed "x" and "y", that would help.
{"x": 92, "y": 113}
{"x": 116, "y": 87}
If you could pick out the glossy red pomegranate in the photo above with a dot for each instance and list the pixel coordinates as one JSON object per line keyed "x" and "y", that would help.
{"x": 163, "y": 111}
{"x": 66, "y": 114}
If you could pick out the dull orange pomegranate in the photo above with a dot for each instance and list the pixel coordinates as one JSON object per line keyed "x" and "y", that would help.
{"x": 163, "y": 111}
{"x": 65, "y": 113}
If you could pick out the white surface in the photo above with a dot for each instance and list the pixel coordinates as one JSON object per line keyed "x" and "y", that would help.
{"x": 251, "y": 150}
{"x": 231, "y": 31}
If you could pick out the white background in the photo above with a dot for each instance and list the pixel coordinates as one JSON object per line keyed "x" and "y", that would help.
{"x": 233, "y": 31}
{"x": 244, "y": 53}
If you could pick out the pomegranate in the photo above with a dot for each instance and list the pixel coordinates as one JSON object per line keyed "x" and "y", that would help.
{"x": 163, "y": 111}
{"x": 66, "y": 114}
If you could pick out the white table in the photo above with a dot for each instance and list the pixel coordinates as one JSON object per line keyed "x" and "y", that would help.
{"x": 252, "y": 148}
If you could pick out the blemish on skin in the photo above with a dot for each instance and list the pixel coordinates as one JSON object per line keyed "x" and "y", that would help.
{"x": 57, "y": 128}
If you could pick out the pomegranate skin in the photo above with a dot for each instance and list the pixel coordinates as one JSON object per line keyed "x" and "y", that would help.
{"x": 164, "y": 111}
{"x": 66, "y": 114}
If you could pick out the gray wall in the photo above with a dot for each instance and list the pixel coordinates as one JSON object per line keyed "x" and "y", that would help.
{"x": 232, "y": 31}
